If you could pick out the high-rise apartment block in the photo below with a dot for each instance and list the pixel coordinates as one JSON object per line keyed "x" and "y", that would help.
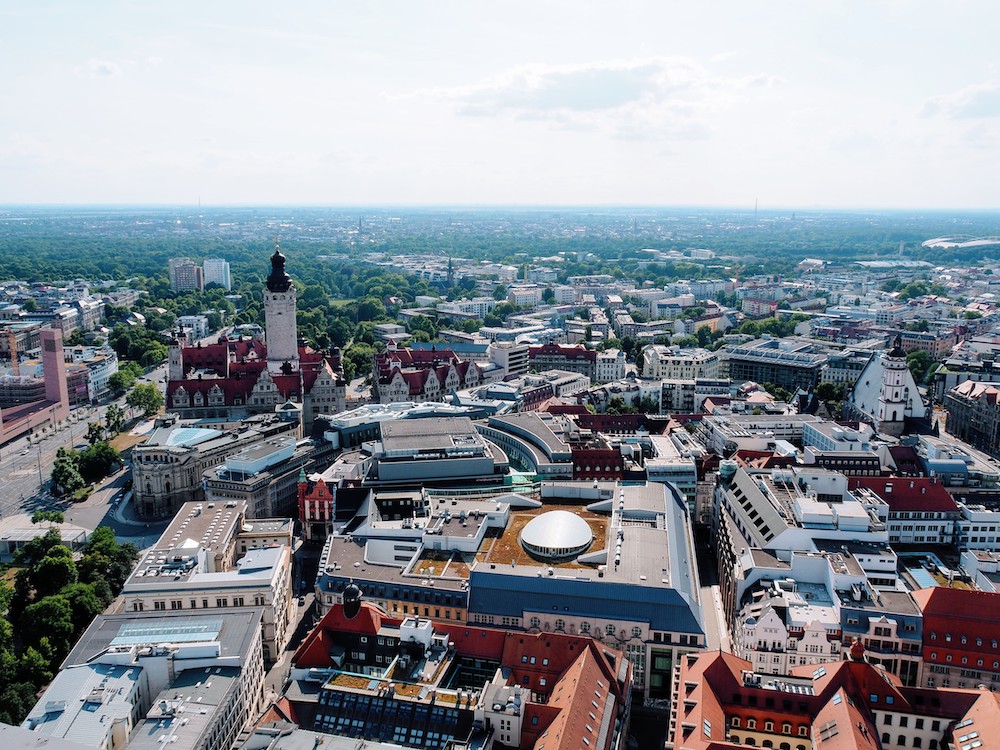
{"x": 216, "y": 271}
{"x": 185, "y": 275}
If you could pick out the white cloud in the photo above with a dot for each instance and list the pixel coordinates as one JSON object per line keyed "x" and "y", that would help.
{"x": 975, "y": 100}
{"x": 634, "y": 99}
{"x": 103, "y": 68}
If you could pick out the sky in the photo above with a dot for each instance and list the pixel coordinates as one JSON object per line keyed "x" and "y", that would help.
{"x": 839, "y": 104}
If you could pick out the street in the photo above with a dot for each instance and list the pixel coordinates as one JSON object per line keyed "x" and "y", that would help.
{"x": 26, "y": 467}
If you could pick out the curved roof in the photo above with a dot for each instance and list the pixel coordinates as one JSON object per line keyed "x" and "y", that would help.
{"x": 557, "y": 529}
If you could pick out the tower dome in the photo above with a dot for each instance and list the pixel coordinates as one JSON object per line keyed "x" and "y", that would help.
{"x": 278, "y": 280}
{"x": 352, "y": 601}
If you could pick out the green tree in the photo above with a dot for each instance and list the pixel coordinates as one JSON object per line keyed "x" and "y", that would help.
{"x": 52, "y": 617}
{"x": 95, "y": 432}
{"x": 97, "y": 461}
{"x": 85, "y": 603}
{"x": 37, "y": 548}
{"x": 358, "y": 360}
{"x": 145, "y": 397}
{"x": 53, "y": 572}
{"x": 617, "y": 405}
{"x": 120, "y": 382}
{"x": 499, "y": 292}
{"x": 66, "y": 471}
{"x": 16, "y": 700}
{"x": 114, "y": 419}
{"x": 370, "y": 308}
{"x": 55, "y": 516}
{"x": 919, "y": 363}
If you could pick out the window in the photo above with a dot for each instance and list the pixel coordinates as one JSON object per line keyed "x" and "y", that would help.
{"x": 610, "y": 629}
{"x": 735, "y": 722}
{"x": 636, "y": 632}
{"x": 584, "y": 627}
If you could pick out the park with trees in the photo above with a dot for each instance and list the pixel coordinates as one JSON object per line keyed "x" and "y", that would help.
{"x": 54, "y": 597}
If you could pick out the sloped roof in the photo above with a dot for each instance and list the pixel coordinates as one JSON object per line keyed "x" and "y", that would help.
{"x": 908, "y": 493}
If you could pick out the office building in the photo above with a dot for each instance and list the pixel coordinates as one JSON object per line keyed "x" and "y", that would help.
{"x": 200, "y": 563}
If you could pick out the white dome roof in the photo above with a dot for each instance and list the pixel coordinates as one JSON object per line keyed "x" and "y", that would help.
{"x": 557, "y": 533}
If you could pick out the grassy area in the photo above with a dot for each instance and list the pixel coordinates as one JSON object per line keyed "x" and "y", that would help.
{"x": 124, "y": 441}
{"x": 81, "y": 494}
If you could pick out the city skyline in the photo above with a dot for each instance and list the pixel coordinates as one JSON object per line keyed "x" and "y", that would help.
{"x": 822, "y": 105}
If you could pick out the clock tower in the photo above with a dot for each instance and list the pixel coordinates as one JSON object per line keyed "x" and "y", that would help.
{"x": 279, "y": 318}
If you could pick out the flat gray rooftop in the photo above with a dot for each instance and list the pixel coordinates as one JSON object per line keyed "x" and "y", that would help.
{"x": 427, "y": 434}
{"x": 237, "y": 630}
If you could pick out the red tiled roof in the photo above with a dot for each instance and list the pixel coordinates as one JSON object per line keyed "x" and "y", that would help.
{"x": 906, "y": 459}
{"x": 908, "y": 494}
{"x": 959, "y": 614}
{"x": 315, "y": 648}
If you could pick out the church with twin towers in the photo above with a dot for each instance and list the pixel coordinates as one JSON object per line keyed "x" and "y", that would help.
{"x": 243, "y": 375}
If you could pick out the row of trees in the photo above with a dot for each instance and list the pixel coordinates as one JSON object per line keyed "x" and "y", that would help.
{"x": 52, "y": 601}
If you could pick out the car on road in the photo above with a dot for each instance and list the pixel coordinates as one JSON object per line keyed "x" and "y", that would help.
{"x": 302, "y": 601}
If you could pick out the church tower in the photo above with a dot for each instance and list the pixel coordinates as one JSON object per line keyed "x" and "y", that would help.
{"x": 894, "y": 395}
{"x": 279, "y": 318}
